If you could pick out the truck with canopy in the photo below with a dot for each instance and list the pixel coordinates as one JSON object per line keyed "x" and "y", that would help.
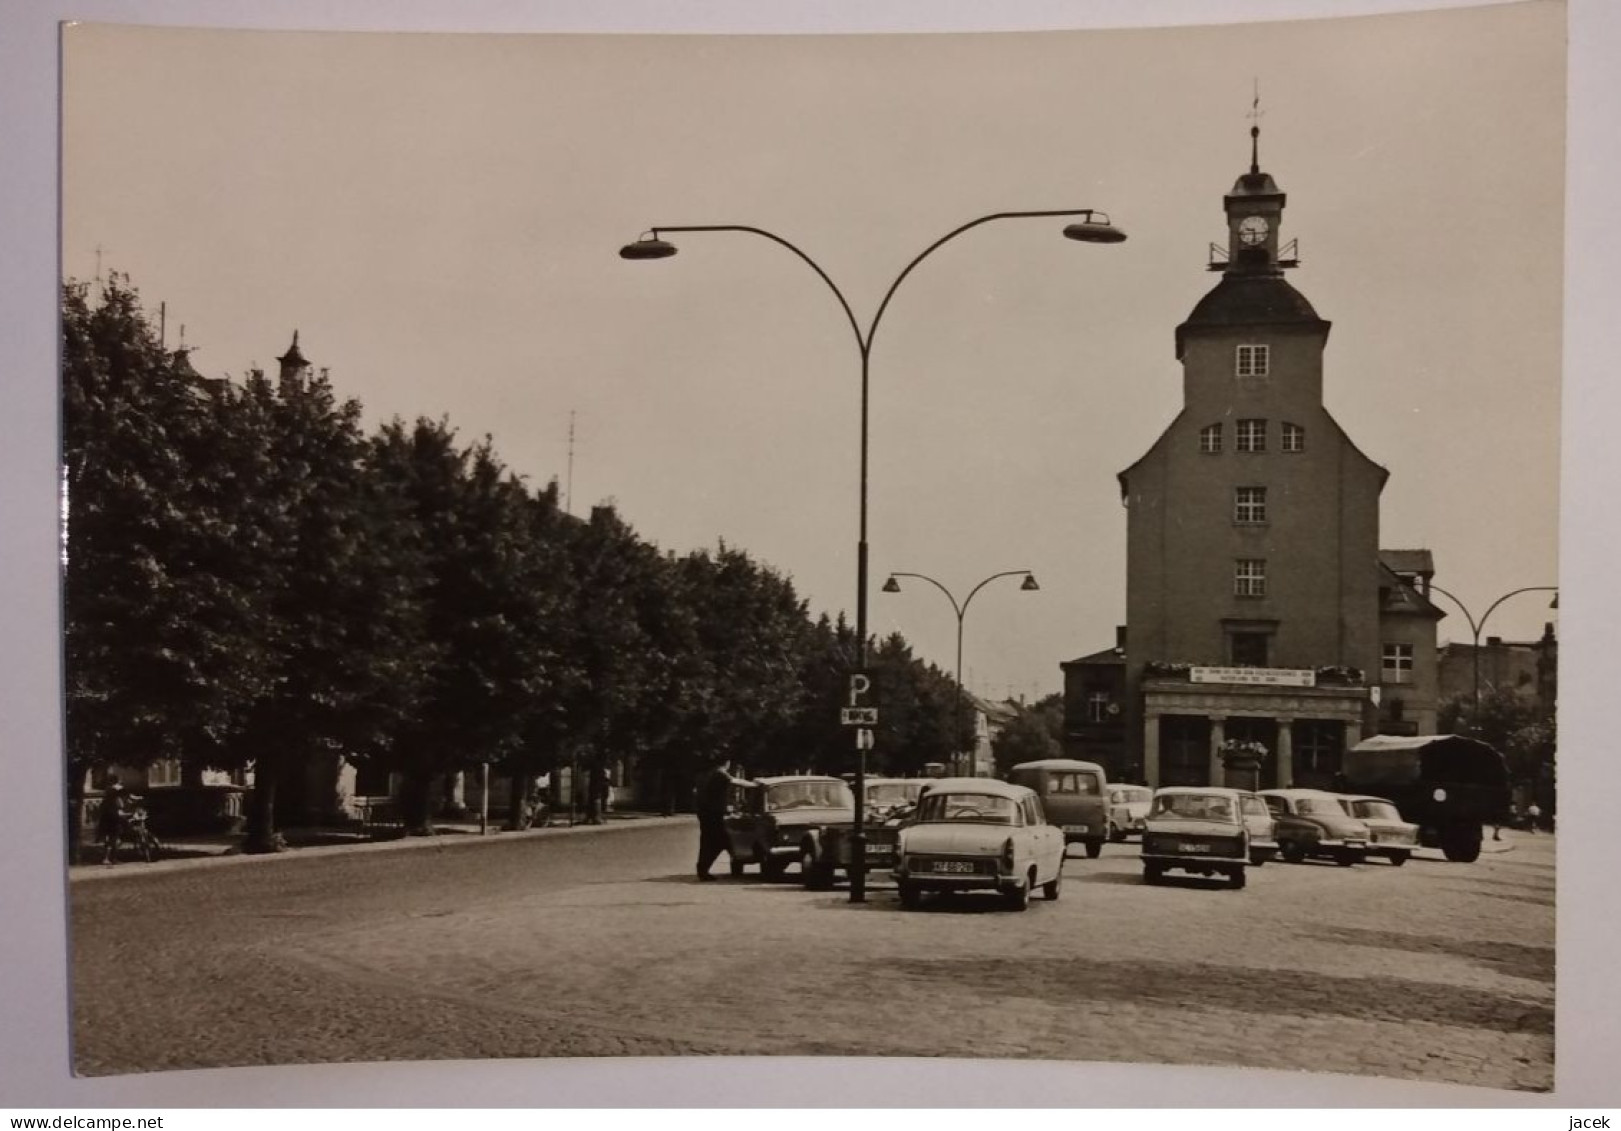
{"x": 1448, "y": 785}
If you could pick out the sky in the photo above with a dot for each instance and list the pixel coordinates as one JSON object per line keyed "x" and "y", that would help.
{"x": 438, "y": 217}
{"x": 406, "y": 220}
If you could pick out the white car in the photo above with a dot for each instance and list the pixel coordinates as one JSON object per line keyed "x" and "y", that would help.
{"x": 1128, "y": 810}
{"x": 974, "y": 834}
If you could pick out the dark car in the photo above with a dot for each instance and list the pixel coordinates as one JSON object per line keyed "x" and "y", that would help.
{"x": 1313, "y": 823}
{"x": 772, "y": 822}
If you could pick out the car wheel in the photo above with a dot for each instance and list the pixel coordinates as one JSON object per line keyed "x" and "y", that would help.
{"x": 911, "y": 897}
{"x": 1153, "y": 873}
{"x": 1017, "y": 898}
{"x": 1292, "y": 852}
{"x": 772, "y": 867}
{"x": 1236, "y": 878}
{"x": 1050, "y": 890}
{"x": 1398, "y": 858}
{"x": 1257, "y": 859}
{"x": 1094, "y": 849}
{"x": 737, "y": 866}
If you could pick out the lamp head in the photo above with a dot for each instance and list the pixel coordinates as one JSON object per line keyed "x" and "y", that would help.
{"x": 1094, "y": 228}
{"x": 1029, "y": 585}
{"x": 892, "y": 585}
{"x": 648, "y": 247}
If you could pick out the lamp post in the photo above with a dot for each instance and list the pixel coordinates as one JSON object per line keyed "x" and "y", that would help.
{"x": 1092, "y": 227}
{"x": 1028, "y": 586}
{"x": 1476, "y": 627}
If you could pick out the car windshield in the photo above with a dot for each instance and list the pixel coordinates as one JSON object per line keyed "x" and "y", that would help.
{"x": 1134, "y": 796}
{"x": 983, "y": 807}
{"x": 1201, "y": 806}
{"x": 1376, "y": 810}
{"x": 809, "y": 795}
{"x": 893, "y": 792}
{"x": 1253, "y": 807}
{"x": 1320, "y": 807}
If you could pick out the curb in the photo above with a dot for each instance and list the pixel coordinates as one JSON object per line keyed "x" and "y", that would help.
{"x": 92, "y": 872}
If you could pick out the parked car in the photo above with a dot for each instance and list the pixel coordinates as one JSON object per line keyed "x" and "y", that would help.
{"x": 1313, "y": 823}
{"x": 1128, "y": 810}
{"x": 1197, "y": 829}
{"x": 827, "y": 853}
{"x": 771, "y": 821}
{"x": 979, "y": 834}
{"x": 1262, "y": 828}
{"x": 1388, "y": 835}
{"x": 1074, "y": 796}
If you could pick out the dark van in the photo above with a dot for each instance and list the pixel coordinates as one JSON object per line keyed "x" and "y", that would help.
{"x": 1075, "y": 796}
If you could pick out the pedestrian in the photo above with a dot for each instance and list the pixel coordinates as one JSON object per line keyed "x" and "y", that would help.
{"x": 110, "y": 821}
{"x": 714, "y": 790}
{"x": 1533, "y": 816}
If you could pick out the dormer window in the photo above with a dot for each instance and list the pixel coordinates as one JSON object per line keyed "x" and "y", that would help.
{"x": 1210, "y": 439}
{"x": 1254, "y": 360}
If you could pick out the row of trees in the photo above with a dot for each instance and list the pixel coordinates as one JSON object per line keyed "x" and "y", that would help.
{"x": 252, "y": 580}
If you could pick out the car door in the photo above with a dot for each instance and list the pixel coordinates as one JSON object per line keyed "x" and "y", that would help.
{"x": 743, "y": 807}
{"x": 1047, "y": 841}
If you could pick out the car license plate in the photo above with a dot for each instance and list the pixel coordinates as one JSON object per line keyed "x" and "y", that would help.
{"x": 952, "y": 866}
{"x": 1074, "y": 828}
{"x": 880, "y": 850}
{"x": 1190, "y": 846}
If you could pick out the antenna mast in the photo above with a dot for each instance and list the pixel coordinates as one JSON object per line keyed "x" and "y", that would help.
{"x": 568, "y": 489}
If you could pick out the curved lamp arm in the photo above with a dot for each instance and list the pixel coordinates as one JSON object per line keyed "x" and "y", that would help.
{"x": 855, "y": 327}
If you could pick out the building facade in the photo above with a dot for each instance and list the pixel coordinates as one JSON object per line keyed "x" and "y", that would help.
{"x": 1260, "y": 611}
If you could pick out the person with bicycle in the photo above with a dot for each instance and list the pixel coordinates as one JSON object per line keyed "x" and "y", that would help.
{"x": 110, "y": 821}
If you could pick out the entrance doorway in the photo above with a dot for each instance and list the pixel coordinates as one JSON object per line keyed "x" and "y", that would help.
{"x": 1184, "y": 750}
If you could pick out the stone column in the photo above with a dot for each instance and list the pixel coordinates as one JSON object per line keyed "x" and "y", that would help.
{"x": 1151, "y": 747}
{"x": 1285, "y": 752}
{"x": 1218, "y": 735}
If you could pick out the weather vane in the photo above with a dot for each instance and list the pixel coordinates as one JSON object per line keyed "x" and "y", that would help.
{"x": 1255, "y": 115}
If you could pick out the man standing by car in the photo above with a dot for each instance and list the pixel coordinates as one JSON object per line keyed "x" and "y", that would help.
{"x": 713, "y": 790}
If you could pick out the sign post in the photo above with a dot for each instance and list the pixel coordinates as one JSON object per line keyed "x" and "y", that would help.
{"x": 857, "y": 714}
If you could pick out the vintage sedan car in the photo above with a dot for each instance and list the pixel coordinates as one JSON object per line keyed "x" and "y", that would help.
{"x": 1197, "y": 829}
{"x": 1313, "y": 823}
{"x": 1128, "y": 810}
{"x": 826, "y": 853}
{"x": 1388, "y": 835}
{"x": 771, "y": 820}
{"x": 976, "y": 834}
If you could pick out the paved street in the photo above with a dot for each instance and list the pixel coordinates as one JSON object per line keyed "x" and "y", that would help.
{"x": 601, "y": 944}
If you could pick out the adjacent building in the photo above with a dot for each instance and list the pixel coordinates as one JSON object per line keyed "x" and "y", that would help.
{"x": 1262, "y": 618}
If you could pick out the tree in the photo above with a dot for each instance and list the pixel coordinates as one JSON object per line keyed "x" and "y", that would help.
{"x": 321, "y": 545}
{"x": 1520, "y": 728}
{"x": 162, "y": 641}
{"x": 1035, "y": 732}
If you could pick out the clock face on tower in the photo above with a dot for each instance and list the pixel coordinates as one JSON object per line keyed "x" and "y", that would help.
{"x": 1252, "y": 230}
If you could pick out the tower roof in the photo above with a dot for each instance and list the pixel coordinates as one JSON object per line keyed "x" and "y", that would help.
{"x": 293, "y": 359}
{"x": 1249, "y": 300}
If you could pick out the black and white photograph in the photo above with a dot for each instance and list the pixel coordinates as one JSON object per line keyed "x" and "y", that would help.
{"x": 1003, "y": 546}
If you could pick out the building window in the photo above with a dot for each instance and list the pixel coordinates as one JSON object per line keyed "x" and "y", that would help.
{"x": 1248, "y": 649}
{"x": 1210, "y": 439}
{"x": 1249, "y": 578}
{"x": 1251, "y": 436}
{"x": 1294, "y": 438}
{"x": 163, "y": 772}
{"x": 1249, "y": 504}
{"x": 1253, "y": 361}
{"x": 1097, "y": 707}
{"x": 1398, "y": 664}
